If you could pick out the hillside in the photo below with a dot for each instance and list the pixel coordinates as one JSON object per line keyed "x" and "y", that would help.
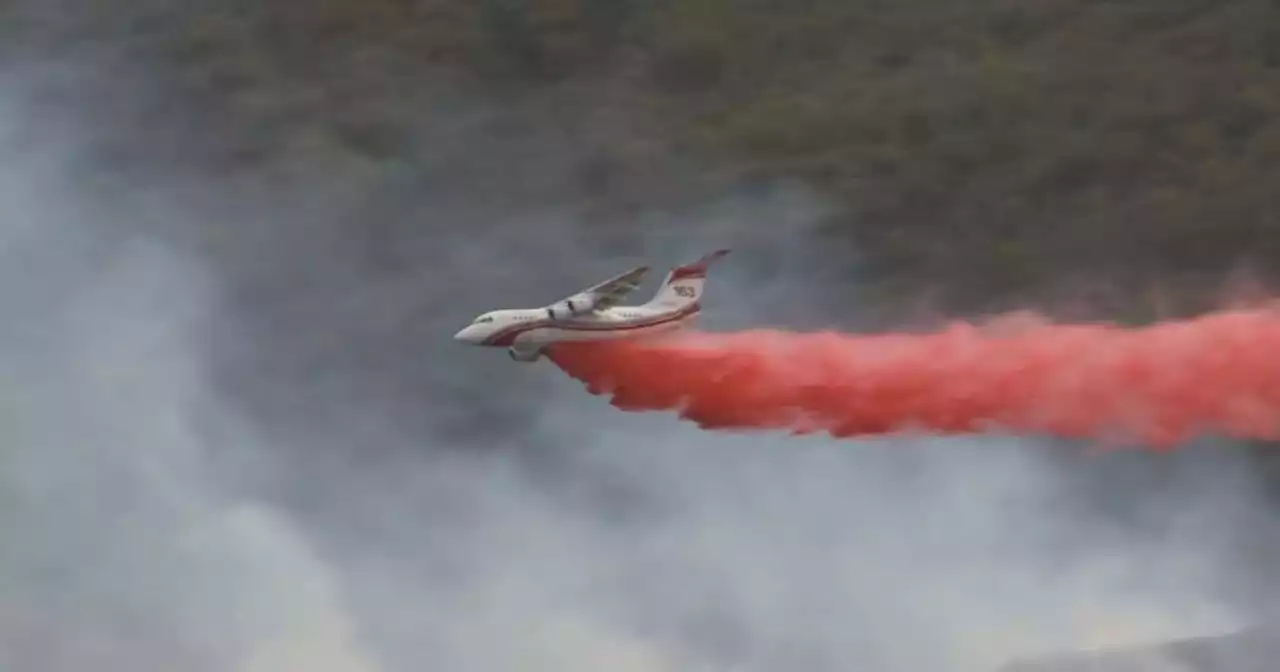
{"x": 1001, "y": 148}
{"x": 240, "y": 234}
{"x": 1005, "y": 151}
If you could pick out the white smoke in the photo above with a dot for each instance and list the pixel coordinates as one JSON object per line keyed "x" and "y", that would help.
{"x": 153, "y": 524}
{"x": 125, "y": 551}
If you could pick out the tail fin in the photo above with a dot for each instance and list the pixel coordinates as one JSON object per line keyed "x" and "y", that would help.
{"x": 683, "y": 284}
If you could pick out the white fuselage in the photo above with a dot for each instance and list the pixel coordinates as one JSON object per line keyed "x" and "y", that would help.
{"x": 592, "y": 314}
{"x": 530, "y": 327}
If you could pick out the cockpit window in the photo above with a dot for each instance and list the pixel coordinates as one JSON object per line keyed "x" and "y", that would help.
{"x": 485, "y": 319}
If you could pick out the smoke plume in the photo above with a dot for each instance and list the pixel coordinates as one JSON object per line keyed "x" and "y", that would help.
{"x": 238, "y": 438}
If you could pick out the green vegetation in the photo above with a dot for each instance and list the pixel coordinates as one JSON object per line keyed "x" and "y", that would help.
{"x": 1003, "y": 151}
{"x": 1004, "y": 147}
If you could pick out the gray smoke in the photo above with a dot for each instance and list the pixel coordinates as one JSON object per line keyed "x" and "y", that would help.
{"x": 239, "y": 439}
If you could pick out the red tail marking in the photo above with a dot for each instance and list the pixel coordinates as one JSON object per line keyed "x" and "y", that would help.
{"x": 697, "y": 269}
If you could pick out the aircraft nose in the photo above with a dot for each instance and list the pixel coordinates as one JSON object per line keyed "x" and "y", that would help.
{"x": 467, "y": 334}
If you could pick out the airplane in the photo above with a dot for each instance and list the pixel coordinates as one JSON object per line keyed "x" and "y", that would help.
{"x": 594, "y": 314}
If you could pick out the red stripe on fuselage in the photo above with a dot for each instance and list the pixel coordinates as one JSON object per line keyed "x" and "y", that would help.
{"x": 508, "y": 335}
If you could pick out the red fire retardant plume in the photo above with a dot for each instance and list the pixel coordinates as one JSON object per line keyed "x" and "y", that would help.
{"x": 1158, "y": 385}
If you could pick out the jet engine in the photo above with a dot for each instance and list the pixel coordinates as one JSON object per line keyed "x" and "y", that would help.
{"x": 578, "y": 304}
{"x": 524, "y": 355}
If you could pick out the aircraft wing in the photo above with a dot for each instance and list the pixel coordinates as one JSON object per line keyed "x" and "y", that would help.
{"x": 611, "y": 292}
